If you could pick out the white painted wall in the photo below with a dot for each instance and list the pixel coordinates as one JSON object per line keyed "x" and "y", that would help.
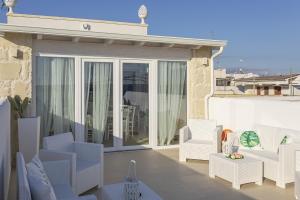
{"x": 5, "y": 155}
{"x": 243, "y": 113}
{"x": 109, "y": 51}
{"x": 77, "y": 24}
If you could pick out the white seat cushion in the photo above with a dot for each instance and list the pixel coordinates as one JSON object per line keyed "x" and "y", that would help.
{"x": 23, "y": 185}
{"x": 202, "y": 129}
{"x": 261, "y": 154}
{"x": 270, "y": 137}
{"x": 39, "y": 183}
{"x": 85, "y": 165}
{"x": 63, "y": 192}
{"x": 199, "y": 142}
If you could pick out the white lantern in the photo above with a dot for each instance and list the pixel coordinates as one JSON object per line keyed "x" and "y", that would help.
{"x": 131, "y": 186}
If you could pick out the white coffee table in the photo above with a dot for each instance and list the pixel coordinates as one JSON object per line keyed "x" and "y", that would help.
{"x": 239, "y": 171}
{"x": 115, "y": 192}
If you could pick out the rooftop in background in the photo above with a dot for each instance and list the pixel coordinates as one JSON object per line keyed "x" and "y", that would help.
{"x": 268, "y": 78}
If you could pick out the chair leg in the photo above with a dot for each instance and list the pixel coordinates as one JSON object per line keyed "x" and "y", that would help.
{"x": 280, "y": 184}
{"x": 182, "y": 157}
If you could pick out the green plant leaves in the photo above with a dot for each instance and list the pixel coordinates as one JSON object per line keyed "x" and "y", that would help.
{"x": 18, "y": 105}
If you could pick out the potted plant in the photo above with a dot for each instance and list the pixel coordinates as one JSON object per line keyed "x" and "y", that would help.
{"x": 28, "y": 128}
{"x": 9, "y": 4}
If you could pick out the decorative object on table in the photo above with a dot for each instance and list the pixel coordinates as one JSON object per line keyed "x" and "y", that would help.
{"x": 249, "y": 139}
{"x": 224, "y": 136}
{"x": 231, "y": 144}
{"x": 234, "y": 156}
{"x": 131, "y": 184}
{"x": 234, "y": 148}
{"x": 28, "y": 128}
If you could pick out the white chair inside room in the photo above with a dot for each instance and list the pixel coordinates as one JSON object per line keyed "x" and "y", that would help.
{"x": 199, "y": 139}
{"x": 86, "y": 158}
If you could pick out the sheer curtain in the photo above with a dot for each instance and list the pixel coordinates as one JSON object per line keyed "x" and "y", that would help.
{"x": 171, "y": 83}
{"x": 99, "y": 77}
{"x": 55, "y": 91}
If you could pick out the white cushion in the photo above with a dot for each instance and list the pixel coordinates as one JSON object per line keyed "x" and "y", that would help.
{"x": 202, "y": 129}
{"x": 63, "y": 192}
{"x": 270, "y": 137}
{"x": 84, "y": 164}
{"x": 39, "y": 183}
{"x": 261, "y": 154}
{"x": 293, "y": 135}
{"x": 23, "y": 185}
{"x": 199, "y": 142}
{"x": 60, "y": 142}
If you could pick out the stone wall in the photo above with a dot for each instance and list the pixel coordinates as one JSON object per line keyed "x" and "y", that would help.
{"x": 15, "y": 65}
{"x": 199, "y": 82}
{"x": 15, "y": 74}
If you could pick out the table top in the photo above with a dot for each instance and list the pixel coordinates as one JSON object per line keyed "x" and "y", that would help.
{"x": 246, "y": 159}
{"x": 115, "y": 192}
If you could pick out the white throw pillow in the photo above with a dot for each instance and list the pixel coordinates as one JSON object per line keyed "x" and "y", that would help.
{"x": 270, "y": 137}
{"x": 39, "y": 183}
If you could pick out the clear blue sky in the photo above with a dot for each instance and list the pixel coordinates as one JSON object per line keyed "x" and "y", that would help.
{"x": 261, "y": 34}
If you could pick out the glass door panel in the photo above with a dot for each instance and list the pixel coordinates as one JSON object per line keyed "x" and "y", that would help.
{"x": 135, "y": 107}
{"x": 172, "y": 102}
{"x": 55, "y": 91}
{"x": 98, "y": 102}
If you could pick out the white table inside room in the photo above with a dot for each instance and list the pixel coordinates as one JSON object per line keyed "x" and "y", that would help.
{"x": 115, "y": 192}
{"x": 238, "y": 171}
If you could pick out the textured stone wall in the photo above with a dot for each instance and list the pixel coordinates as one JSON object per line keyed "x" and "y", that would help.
{"x": 199, "y": 82}
{"x": 15, "y": 74}
{"x": 15, "y": 65}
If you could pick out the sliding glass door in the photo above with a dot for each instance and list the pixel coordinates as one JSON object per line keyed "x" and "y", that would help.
{"x": 98, "y": 102}
{"x": 135, "y": 103}
{"x": 123, "y": 104}
{"x": 55, "y": 92}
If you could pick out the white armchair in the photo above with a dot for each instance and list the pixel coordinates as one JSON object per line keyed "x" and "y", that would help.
{"x": 58, "y": 174}
{"x": 199, "y": 139}
{"x": 86, "y": 158}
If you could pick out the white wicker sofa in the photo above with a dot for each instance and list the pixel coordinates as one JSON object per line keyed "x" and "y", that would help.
{"x": 278, "y": 158}
{"x": 199, "y": 139}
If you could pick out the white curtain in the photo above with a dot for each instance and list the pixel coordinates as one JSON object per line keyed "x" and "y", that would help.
{"x": 99, "y": 77}
{"x": 55, "y": 92}
{"x": 171, "y": 83}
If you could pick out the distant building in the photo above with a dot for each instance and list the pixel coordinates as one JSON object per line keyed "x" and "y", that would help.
{"x": 253, "y": 84}
{"x": 224, "y": 82}
{"x": 270, "y": 85}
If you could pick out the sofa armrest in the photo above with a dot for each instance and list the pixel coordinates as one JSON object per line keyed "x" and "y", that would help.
{"x": 88, "y": 151}
{"x": 217, "y": 140}
{"x": 91, "y": 152}
{"x": 184, "y": 134}
{"x": 58, "y": 171}
{"x": 286, "y": 155}
{"x": 52, "y": 155}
